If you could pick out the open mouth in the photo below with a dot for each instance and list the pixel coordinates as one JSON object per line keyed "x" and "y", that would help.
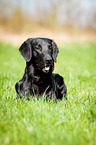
{"x": 46, "y": 69}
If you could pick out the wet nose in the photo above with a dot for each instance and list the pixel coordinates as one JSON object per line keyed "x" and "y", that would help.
{"x": 48, "y": 59}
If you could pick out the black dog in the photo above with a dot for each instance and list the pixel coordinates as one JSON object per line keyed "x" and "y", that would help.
{"x": 40, "y": 55}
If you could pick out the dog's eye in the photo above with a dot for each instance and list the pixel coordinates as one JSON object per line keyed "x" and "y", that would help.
{"x": 38, "y": 47}
{"x": 49, "y": 47}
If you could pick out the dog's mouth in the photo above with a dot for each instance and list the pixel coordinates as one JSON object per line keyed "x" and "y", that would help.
{"x": 46, "y": 69}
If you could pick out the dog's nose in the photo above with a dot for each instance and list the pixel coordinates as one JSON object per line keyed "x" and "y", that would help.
{"x": 48, "y": 60}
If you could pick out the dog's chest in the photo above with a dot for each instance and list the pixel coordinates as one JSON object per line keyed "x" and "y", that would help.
{"x": 39, "y": 86}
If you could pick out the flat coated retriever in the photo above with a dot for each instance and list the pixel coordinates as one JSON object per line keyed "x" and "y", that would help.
{"x": 38, "y": 80}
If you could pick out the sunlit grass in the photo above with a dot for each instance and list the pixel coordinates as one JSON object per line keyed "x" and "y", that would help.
{"x": 37, "y": 122}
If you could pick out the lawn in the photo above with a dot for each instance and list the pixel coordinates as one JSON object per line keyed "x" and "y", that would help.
{"x": 37, "y": 122}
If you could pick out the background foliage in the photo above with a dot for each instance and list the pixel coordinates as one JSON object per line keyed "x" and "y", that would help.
{"x": 24, "y": 15}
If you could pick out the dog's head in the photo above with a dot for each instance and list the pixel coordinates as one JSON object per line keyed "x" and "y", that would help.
{"x": 40, "y": 51}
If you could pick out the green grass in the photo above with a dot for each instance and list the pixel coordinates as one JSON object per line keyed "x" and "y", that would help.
{"x": 71, "y": 122}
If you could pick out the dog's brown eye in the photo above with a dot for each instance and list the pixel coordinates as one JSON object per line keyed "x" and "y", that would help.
{"x": 38, "y": 47}
{"x": 49, "y": 47}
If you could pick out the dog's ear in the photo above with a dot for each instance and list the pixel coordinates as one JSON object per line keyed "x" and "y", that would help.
{"x": 26, "y": 49}
{"x": 55, "y": 50}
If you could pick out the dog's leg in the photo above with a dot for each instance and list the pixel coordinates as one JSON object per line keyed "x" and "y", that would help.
{"x": 61, "y": 87}
{"x": 21, "y": 91}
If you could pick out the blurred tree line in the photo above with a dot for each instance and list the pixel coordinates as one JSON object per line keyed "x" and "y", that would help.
{"x": 48, "y": 13}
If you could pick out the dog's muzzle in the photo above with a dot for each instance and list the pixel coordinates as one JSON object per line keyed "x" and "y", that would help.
{"x": 48, "y": 64}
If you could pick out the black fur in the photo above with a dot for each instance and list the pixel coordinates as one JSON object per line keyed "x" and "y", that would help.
{"x": 38, "y": 80}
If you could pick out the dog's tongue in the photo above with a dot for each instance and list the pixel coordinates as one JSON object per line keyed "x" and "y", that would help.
{"x": 46, "y": 69}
